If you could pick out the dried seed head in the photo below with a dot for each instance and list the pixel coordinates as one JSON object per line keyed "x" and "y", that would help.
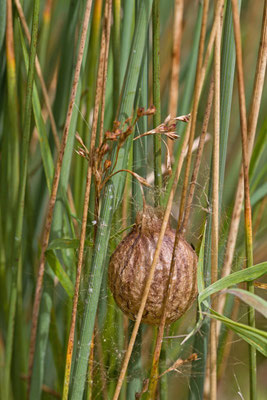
{"x": 130, "y": 264}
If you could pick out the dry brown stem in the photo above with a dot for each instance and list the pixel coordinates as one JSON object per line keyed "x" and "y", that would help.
{"x": 156, "y": 355}
{"x": 46, "y": 96}
{"x": 215, "y": 212}
{"x": 163, "y": 228}
{"x": 252, "y": 124}
{"x": 176, "y": 50}
{"x": 99, "y": 89}
{"x": 52, "y": 200}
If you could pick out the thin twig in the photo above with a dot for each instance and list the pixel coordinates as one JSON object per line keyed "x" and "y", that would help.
{"x": 156, "y": 99}
{"x": 198, "y": 156}
{"x": 176, "y": 50}
{"x": 195, "y": 108}
{"x": 46, "y": 99}
{"x": 52, "y": 200}
{"x": 252, "y": 124}
{"x": 156, "y": 355}
{"x": 215, "y": 211}
{"x": 245, "y": 164}
{"x": 99, "y": 90}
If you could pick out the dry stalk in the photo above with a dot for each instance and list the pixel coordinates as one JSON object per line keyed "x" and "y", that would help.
{"x": 228, "y": 341}
{"x": 245, "y": 164}
{"x": 90, "y": 370}
{"x": 52, "y": 200}
{"x": 156, "y": 355}
{"x": 180, "y": 229}
{"x": 198, "y": 156}
{"x": 167, "y": 212}
{"x": 218, "y": 16}
{"x": 46, "y": 98}
{"x": 174, "y": 367}
{"x": 155, "y": 259}
{"x": 261, "y": 285}
{"x": 179, "y": 232}
{"x": 105, "y": 69}
{"x": 148, "y": 284}
{"x": 252, "y": 124}
{"x": 176, "y": 50}
{"x": 215, "y": 212}
{"x": 100, "y": 353}
{"x": 204, "y": 67}
{"x": 99, "y": 90}
{"x": 197, "y": 92}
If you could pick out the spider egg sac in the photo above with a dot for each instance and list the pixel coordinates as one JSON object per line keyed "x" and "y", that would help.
{"x": 130, "y": 264}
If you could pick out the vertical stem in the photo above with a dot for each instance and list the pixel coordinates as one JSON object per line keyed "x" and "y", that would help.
{"x": 198, "y": 87}
{"x": 92, "y": 296}
{"x": 52, "y": 200}
{"x": 215, "y": 211}
{"x": 116, "y": 52}
{"x": 21, "y": 195}
{"x": 126, "y": 34}
{"x": 156, "y": 99}
{"x": 100, "y": 84}
{"x": 45, "y": 31}
{"x": 245, "y": 162}
{"x": 176, "y": 50}
{"x": 252, "y": 124}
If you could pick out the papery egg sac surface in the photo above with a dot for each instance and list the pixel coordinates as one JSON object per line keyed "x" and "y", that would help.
{"x": 130, "y": 264}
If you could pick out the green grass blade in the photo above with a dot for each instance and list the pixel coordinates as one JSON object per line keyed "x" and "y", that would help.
{"x": 21, "y": 196}
{"x": 2, "y": 21}
{"x": 91, "y": 302}
{"x": 255, "y": 337}
{"x": 184, "y": 108}
{"x": 247, "y": 275}
{"x": 41, "y": 129}
{"x": 129, "y": 89}
{"x": 227, "y": 82}
{"x": 60, "y": 273}
{"x": 116, "y": 52}
{"x": 42, "y": 339}
{"x": 251, "y": 299}
{"x": 126, "y": 36}
{"x": 66, "y": 243}
{"x": 156, "y": 101}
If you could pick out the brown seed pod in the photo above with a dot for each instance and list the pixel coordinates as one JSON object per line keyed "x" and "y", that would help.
{"x": 130, "y": 264}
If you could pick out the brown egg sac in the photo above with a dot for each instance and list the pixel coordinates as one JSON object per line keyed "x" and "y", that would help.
{"x": 130, "y": 264}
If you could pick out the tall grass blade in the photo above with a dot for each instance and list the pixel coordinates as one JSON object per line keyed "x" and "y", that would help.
{"x": 21, "y": 197}
{"x": 96, "y": 273}
{"x": 156, "y": 101}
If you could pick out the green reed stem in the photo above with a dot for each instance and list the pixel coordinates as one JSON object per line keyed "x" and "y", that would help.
{"x": 96, "y": 273}
{"x": 116, "y": 52}
{"x": 21, "y": 196}
{"x": 156, "y": 100}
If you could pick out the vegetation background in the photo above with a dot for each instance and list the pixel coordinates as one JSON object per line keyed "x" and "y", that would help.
{"x": 85, "y": 68}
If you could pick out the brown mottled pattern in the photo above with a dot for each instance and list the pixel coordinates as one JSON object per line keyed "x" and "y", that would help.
{"x": 130, "y": 263}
